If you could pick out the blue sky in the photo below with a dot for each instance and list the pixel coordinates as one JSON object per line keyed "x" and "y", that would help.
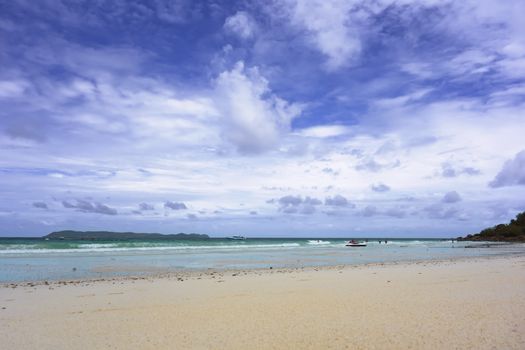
{"x": 272, "y": 118}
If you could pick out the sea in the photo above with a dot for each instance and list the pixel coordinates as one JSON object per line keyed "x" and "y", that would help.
{"x": 36, "y": 259}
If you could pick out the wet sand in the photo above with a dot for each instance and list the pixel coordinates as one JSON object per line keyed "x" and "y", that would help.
{"x": 463, "y": 304}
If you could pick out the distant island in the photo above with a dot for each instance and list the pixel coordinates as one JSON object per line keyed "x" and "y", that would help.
{"x": 514, "y": 231}
{"x": 109, "y": 235}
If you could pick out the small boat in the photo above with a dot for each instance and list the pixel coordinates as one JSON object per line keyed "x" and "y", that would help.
{"x": 236, "y": 238}
{"x": 354, "y": 243}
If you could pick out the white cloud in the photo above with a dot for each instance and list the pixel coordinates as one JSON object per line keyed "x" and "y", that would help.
{"x": 330, "y": 27}
{"x": 241, "y": 24}
{"x": 239, "y": 110}
{"x": 451, "y": 197}
{"x": 253, "y": 118}
{"x": 512, "y": 173}
{"x": 324, "y": 131}
{"x": 380, "y": 187}
{"x": 12, "y": 88}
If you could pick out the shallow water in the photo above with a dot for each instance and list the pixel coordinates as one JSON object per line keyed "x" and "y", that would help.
{"x": 37, "y": 259}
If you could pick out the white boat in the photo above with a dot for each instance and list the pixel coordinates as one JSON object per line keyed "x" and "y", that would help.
{"x": 354, "y": 243}
{"x": 237, "y": 238}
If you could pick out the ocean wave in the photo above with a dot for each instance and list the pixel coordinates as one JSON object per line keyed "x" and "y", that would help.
{"x": 18, "y": 246}
{"x": 100, "y": 249}
{"x": 97, "y": 245}
{"x": 318, "y": 242}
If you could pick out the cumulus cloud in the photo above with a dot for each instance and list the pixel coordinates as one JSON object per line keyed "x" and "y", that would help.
{"x": 338, "y": 201}
{"x": 253, "y": 117}
{"x": 296, "y": 204}
{"x": 374, "y": 166}
{"x": 380, "y": 188}
{"x": 175, "y": 205}
{"x": 41, "y": 205}
{"x": 241, "y": 24}
{"x": 451, "y": 197}
{"x": 512, "y": 173}
{"x": 447, "y": 170}
{"x": 290, "y": 200}
{"x": 312, "y": 201}
{"x": 146, "y": 206}
{"x": 85, "y": 206}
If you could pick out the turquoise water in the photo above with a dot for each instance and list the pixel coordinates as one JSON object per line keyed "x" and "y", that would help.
{"x": 37, "y": 259}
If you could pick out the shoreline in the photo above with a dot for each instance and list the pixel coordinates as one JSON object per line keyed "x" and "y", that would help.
{"x": 77, "y": 267}
{"x": 212, "y": 273}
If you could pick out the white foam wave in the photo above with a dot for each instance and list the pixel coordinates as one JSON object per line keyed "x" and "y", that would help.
{"x": 97, "y": 245}
{"x": 152, "y": 249}
{"x": 317, "y": 242}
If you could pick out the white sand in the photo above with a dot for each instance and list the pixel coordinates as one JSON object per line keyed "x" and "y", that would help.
{"x": 469, "y": 304}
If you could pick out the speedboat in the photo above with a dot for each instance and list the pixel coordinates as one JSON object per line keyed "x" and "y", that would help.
{"x": 354, "y": 243}
{"x": 237, "y": 238}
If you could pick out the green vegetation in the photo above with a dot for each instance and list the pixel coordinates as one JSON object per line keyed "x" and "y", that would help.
{"x": 511, "y": 232}
{"x": 110, "y": 236}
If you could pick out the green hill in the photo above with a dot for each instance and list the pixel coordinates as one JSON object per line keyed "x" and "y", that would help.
{"x": 514, "y": 231}
{"x": 109, "y": 235}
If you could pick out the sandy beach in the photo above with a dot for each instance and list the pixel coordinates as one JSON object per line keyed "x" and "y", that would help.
{"x": 463, "y": 304}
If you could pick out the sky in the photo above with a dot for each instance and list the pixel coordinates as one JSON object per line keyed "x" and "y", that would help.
{"x": 379, "y": 118}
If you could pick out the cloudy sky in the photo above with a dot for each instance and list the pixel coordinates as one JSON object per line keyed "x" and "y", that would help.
{"x": 265, "y": 118}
